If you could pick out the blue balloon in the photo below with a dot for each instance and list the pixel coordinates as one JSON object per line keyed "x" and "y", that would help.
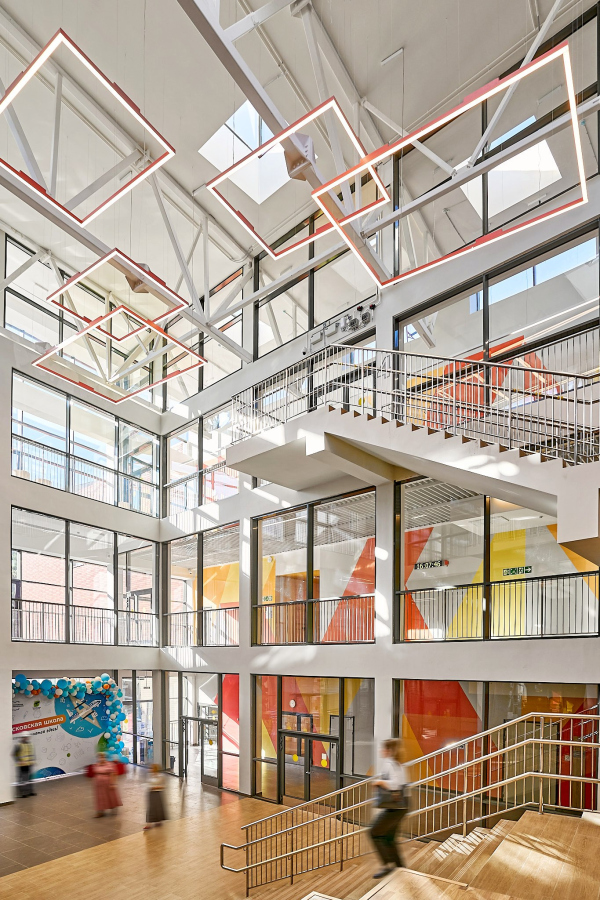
{"x": 20, "y": 679}
{"x": 61, "y": 683}
{"x": 46, "y": 684}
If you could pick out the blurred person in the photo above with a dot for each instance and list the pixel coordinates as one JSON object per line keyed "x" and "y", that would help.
{"x": 24, "y": 755}
{"x": 155, "y": 809}
{"x": 106, "y": 795}
{"x": 393, "y": 806}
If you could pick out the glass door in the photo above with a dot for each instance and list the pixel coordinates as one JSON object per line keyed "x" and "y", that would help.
{"x": 308, "y": 766}
{"x": 209, "y": 746}
{"x": 200, "y": 750}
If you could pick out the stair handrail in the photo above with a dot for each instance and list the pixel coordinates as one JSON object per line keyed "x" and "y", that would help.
{"x": 586, "y": 713}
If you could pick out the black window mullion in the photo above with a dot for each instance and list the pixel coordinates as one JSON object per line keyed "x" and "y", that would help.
{"x": 310, "y": 519}
{"x": 200, "y": 589}
{"x": 311, "y": 277}
{"x": 116, "y": 585}
{"x": 134, "y": 714}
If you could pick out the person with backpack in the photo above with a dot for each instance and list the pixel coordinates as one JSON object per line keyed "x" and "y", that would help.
{"x": 393, "y": 806}
{"x": 24, "y": 755}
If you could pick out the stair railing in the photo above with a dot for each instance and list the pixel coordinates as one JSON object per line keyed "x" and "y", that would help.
{"x": 537, "y": 761}
{"x": 536, "y": 410}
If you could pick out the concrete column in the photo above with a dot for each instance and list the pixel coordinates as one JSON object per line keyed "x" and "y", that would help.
{"x": 384, "y": 608}
{"x": 246, "y": 750}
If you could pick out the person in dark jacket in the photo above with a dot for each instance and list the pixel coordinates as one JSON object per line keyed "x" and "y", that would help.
{"x": 24, "y": 755}
{"x": 393, "y": 801}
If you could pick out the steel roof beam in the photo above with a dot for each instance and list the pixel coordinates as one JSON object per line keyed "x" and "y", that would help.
{"x": 255, "y": 19}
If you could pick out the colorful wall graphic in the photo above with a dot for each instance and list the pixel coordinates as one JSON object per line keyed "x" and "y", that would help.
{"x": 69, "y": 721}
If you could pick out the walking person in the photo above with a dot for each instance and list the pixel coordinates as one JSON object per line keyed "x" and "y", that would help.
{"x": 155, "y": 810}
{"x": 393, "y": 806}
{"x": 24, "y": 755}
{"x": 106, "y": 795}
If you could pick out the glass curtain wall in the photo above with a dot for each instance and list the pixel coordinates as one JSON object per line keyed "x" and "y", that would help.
{"x": 208, "y": 618}
{"x": 182, "y": 480}
{"x": 218, "y": 480}
{"x": 80, "y": 584}
{"x": 456, "y": 547}
{"x": 202, "y": 728}
{"x": 69, "y": 445}
{"x": 300, "y": 750}
{"x": 442, "y": 717}
{"x": 315, "y": 573}
{"x": 221, "y": 586}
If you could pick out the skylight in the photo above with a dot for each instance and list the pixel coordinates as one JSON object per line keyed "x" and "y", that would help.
{"x": 242, "y": 133}
{"x": 515, "y": 180}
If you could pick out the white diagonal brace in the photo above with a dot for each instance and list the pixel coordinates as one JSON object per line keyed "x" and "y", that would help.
{"x": 255, "y": 19}
{"x": 423, "y": 148}
{"x": 40, "y": 256}
{"x": 464, "y": 175}
{"x": 188, "y": 258}
{"x": 205, "y": 266}
{"x": 22, "y": 143}
{"x": 139, "y": 363}
{"x": 332, "y": 131}
{"x": 223, "y": 308}
{"x": 187, "y": 275}
{"x": 56, "y": 134}
{"x": 539, "y": 38}
{"x": 121, "y": 166}
{"x": 86, "y": 338}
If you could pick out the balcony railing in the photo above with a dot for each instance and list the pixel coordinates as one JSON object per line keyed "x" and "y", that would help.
{"x": 36, "y": 462}
{"x": 221, "y": 627}
{"x": 337, "y": 620}
{"x": 546, "y": 606}
{"x": 217, "y": 627}
{"x": 137, "y": 629}
{"x": 219, "y": 482}
{"x": 556, "y": 414}
{"x": 39, "y": 621}
{"x": 35, "y": 621}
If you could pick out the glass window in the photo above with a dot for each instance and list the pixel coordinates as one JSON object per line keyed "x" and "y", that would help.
{"x": 92, "y": 566}
{"x": 442, "y": 555}
{"x": 136, "y": 562}
{"x": 557, "y": 292}
{"x": 183, "y": 462}
{"x": 221, "y": 568}
{"x": 282, "y": 576}
{"x": 230, "y": 732}
{"x": 172, "y": 722}
{"x": 453, "y": 328}
{"x": 344, "y": 547}
{"x": 218, "y": 481}
{"x": 309, "y": 704}
{"x": 511, "y": 699}
{"x": 93, "y": 435}
{"x": 138, "y": 453}
{"x": 434, "y": 714}
{"x": 183, "y": 595}
{"x": 358, "y": 730}
{"x": 38, "y": 413}
{"x": 38, "y": 559}
{"x": 220, "y": 361}
{"x": 265, "y": 731}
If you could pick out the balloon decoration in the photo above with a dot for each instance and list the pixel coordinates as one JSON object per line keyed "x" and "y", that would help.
{"x": 104, "y": 685}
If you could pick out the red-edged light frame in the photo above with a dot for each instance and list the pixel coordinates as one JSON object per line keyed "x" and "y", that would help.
{"x": 474, "y": 99}
{"x": 98, "y": 324}
{"x": 276, "y": 140}
{"x": 59, "y": 39}
{"x": 123, "y": 264}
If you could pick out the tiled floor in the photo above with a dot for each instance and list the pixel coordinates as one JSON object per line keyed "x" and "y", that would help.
{"x": 60, "y": 819}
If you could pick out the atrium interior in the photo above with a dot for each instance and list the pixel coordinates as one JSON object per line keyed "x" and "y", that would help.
{"x": 300, "y": 358}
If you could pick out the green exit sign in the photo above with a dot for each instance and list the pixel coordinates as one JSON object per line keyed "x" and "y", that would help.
{"x": 517, "y": 570}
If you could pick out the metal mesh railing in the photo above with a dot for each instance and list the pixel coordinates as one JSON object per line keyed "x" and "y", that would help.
{"x": 545, "y": 606}
{"x": 32, "y": 620}
{"x": 552, "y": 413}
{"x": 218, "y": 627}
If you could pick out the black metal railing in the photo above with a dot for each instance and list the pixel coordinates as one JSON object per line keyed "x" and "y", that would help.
{"x": 33, "y": 620}
{"x": 331, "y": 620}
{"x": 545, "y": 606}
{"x": 218, "y": 627}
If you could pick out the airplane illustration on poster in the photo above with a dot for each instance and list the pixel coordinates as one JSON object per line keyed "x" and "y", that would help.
{"x": 84, "y": 710}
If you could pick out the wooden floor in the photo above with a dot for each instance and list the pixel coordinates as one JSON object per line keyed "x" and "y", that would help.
{"x": 540, "y": 858}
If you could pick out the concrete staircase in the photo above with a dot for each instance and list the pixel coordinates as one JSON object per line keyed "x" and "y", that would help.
{"x": 330, "y": 442}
